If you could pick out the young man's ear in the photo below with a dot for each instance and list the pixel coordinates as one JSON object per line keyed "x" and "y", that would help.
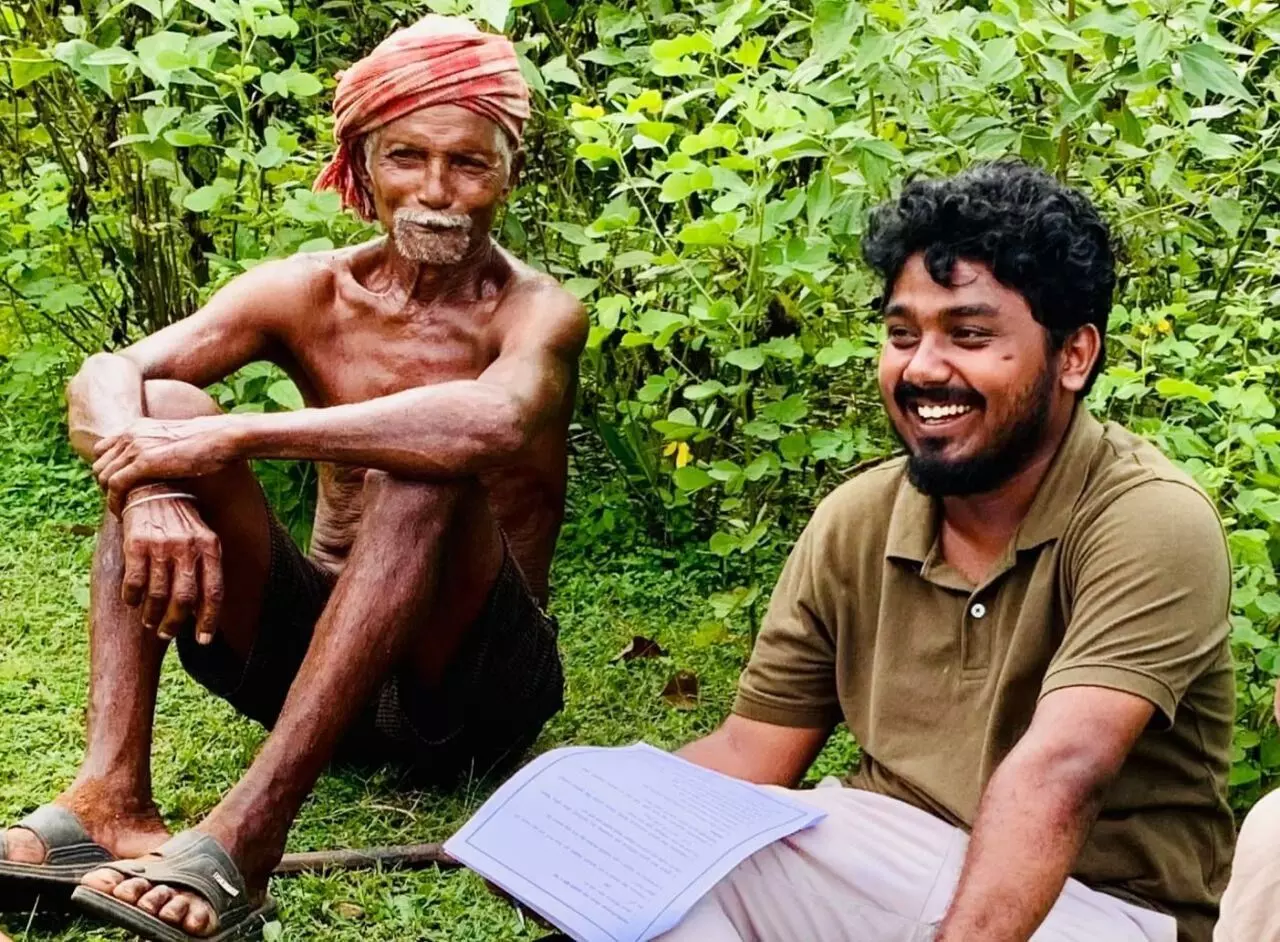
{"x": 1077, "y": 356}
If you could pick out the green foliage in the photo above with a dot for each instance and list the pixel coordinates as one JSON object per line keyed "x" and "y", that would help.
{"x": 700, "y": 176}
{"x": 733, "y": 150}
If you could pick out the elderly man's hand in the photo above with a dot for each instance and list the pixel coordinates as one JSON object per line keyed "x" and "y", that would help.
{"x": 162, "y": 450}
{"x": 172, "y": 564}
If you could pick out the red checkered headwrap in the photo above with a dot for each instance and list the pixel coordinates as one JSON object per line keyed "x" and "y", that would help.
{"x": 438, "y": 60}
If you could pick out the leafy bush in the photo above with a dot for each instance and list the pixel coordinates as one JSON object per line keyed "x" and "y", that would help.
{"x": 701, "y": 175}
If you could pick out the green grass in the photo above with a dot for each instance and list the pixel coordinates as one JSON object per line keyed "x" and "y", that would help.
{"x": 201, "y": 746}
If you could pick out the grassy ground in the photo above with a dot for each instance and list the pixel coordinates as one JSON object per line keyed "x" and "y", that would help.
{"x": 201, "y": 746}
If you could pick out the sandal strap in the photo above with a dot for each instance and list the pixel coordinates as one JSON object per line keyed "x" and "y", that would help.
{"x": 64, "y": 837}
{"x": 197, "y": 862}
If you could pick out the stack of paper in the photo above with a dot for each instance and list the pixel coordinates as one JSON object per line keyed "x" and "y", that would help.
{"x": 616, "y": 845}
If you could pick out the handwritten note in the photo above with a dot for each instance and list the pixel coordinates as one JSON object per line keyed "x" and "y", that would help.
{"x": 616, "y": 845}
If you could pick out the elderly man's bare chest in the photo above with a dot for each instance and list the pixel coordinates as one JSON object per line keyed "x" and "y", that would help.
{"x": 355, "y": 358}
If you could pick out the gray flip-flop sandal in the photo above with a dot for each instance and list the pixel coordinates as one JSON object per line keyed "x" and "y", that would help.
{"x": 70, "y": 853}
{"x": 188, "y": 861}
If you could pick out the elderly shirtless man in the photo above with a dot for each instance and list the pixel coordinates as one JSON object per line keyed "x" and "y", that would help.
{"x": 439, "y": 375}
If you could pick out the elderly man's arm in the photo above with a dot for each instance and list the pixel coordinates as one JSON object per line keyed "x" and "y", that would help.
{"x": 1038, "y": 809}
{"x": 450, "y": 429}
{"x": 106, "y": 395}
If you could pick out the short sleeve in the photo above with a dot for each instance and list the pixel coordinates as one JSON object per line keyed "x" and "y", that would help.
{"x": 1150, "y": 585}
{"x": 790, "y": 679}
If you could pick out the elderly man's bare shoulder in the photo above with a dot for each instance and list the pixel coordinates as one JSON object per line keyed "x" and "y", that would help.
{"x": 282, "y": 288}
{"x": 535, "y": 304}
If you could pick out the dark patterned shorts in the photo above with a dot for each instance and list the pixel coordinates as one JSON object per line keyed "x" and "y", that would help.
{"x": 503, "y": 685}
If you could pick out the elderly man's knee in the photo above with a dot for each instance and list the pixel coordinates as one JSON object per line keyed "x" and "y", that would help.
{"x": 386, "y": 493}
{"x": 170, "y": 399}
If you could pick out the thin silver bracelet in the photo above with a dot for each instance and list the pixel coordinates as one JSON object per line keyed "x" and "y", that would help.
{"x": 143, "y": 500}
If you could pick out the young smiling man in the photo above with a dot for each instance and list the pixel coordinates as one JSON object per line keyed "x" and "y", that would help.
{"x": 1023, "y": 623}
{"x": 439, "y": 375}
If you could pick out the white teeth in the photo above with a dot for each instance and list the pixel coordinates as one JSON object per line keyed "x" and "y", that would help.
{"x": 933, "y": 413}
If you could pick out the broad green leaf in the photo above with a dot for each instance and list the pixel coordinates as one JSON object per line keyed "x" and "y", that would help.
{"x": 156, "y": 118}
{"x": 29, "y": 64}
{"x": 580, "y": 288}
{"x": 1227, "y": 213}
{"x": 112, "y": 55}
{"x": 765, "y": 465}
{"x": 749, "y": 359}
{"x": 76, "y": 53}
{"x": 559, "y": 72}
{"x": 161, "y": 54}
{"x": 302, "y": 84}
{"x": 787, "y": 411}
{"x": 1151, "y": 41}
{"x": 269, "y": 156}
{"x": 153, "y": 7}
{"x": 766, "y": 431}
{"x": 833, "y": 26}
{"x": 1000, "y": 62}
{"x": 704, "y": 232}
{"x": 699, "y": 391}
{"x": 278, "y": 26}
{"x": 1175, "y": 388}
{"x": 691, "y": 479}
{"x": 493, "y": 12}
{"x": 321, "y": 244}
{"x": 1204, "y": 70}
{"x": 184, "y": 137}
{"x": 203, "y": 200}
{"x": 285, "y": 394}
{"x": 837, "y": 354}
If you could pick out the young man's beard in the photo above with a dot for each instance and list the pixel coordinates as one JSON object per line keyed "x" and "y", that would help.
{"x": 941, "y": 477}
{"x": 432, "y": 238}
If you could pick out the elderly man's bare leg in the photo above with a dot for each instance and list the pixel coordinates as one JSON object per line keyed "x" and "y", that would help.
{"x": 425, "y": 555}
{"x": 111, "y": 794}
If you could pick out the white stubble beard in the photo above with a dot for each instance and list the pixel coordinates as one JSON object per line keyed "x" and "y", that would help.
{"x": 431, "y": 237}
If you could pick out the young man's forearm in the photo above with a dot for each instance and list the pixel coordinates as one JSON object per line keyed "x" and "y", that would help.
{"x": 103, "y": 398}
{"x": 1032, "y": 823}
{"x": 448, "y": 430}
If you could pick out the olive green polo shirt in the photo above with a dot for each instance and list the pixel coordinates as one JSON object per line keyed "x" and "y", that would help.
{"x": 1118, "y": 577}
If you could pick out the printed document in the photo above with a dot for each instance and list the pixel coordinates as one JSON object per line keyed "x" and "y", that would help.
{"x": 616, "y": 845}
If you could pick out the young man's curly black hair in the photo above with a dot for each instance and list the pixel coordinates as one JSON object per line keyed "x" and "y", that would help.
{"x": 1039, "y": 237}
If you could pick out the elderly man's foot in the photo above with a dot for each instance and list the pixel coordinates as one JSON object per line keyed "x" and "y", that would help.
{"x": 181, "y": 908}
{"x": 118, "y": 821}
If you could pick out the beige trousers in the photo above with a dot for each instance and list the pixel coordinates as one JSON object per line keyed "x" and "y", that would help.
{"x": 1251, "y": 905}
{"x": 879, "y": 870}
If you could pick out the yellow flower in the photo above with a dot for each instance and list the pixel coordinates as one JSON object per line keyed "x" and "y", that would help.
{"x": 681, "y": 451}
{"x": 1164, "y": 326}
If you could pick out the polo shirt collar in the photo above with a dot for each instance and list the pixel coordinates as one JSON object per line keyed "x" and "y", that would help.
{"x": 913, "y": 524}
{"x": 1056, "y": 499}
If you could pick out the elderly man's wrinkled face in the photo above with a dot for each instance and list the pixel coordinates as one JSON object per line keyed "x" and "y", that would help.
{"x": 438, "y": 176}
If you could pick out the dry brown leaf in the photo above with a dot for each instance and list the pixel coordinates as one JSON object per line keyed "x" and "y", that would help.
{"x": 681, "y": 691}
{"x": 640, "y": 647}
{"x": 349, "y": 910}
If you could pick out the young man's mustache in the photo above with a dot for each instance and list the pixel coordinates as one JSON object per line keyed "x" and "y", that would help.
{"x": 904, "y": 394}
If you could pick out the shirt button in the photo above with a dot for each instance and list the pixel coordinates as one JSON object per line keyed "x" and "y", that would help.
{"x": 978, "y": 610}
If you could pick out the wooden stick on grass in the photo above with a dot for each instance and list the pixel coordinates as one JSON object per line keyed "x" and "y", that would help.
{"x": 405, "y": 857}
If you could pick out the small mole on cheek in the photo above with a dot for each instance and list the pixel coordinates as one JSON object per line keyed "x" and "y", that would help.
{"x": 1007, "y": 356}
